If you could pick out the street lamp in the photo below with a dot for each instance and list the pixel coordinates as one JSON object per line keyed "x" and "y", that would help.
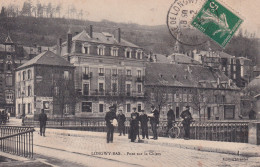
{"x": 23, "y": 109}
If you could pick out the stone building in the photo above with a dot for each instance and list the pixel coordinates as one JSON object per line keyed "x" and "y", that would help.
{"x": 108, "y": 71}
{"x": 45, "y": 82}
{"x": 209, "y": 93}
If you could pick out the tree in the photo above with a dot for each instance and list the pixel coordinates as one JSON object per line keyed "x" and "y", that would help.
{"x": 58, "y": 9}
{"x": 3, "y": 12}
{"x": 199, "y": 101}
{"x": 26, "y": 10}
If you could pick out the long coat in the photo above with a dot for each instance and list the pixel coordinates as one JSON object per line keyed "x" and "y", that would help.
{"x": 121, "y": 121}
{"x": 42, "y": 118}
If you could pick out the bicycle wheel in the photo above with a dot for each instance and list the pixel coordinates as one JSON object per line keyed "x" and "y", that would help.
{"x": 174, "y": 132}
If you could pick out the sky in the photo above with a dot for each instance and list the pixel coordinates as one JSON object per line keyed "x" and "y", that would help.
{"x": 148, "y": 12}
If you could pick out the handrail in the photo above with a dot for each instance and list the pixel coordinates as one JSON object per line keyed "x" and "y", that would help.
{"x": 20, "y": 133}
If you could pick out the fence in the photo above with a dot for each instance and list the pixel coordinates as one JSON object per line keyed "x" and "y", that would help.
{"x": 17, "y": 140}
{"x": 215, "y": 131}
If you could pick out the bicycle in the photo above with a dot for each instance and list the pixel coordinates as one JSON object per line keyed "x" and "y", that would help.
{"x": 174, "y": 131}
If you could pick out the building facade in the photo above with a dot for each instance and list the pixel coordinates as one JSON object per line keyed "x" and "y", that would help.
{"x": 108, "y": 71}
{"x": 45, "y": 82}
{"x": 209, "y": 93}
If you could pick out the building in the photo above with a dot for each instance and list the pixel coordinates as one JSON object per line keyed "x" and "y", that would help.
{"x": 108, "y": 71}
{"x": 45, "y": 82}
{"x": 209, "y": 93}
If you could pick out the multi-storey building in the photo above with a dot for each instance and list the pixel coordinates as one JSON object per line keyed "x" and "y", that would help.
{"x": 45, "y": 82}
{"x": 209, "y": 93}
{"x": 108, "y": 71}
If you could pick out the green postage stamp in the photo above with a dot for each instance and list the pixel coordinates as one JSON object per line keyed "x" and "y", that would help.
{"x": 216, "y": 21}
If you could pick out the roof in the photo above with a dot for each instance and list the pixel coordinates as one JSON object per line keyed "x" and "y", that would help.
{"x": 181, "y": 58}
{"x": 8, "y": 40}
{"x": 102, "y": 38}
{"x": 225, "y": 55}
{"x": 185, "y": 75}
{"x": 46, "y": 58}
{"x": 254, "y": 86}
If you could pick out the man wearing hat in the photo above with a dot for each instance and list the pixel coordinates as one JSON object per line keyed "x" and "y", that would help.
{"x": 170, "y": 118}
{"x": 110, "y": 116}
{"x": 144, "y": 124}
{"x": 121, "y": 122}
{"x": 154, "y": 120}
{"x": 134, "y": 131}
{"x": 187, "y": 118}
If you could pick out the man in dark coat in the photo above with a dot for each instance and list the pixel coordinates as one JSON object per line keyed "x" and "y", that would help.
{"x": 135, "y": 130}
{"x": 170, "y": 118}
{"x": 154, "y": 120}
{"x": 187, "y": 118}
{"x": 121, "y": 123}
{"x": 110, "y": 116}
{"x": 42, "y": 119}
{"x": 144, "y": 124}
{"x": 134, "y": 125}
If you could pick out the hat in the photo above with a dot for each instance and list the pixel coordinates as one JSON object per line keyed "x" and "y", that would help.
{"x": 187, "y": 106}
{"x": 152, "y": 106}
{"x": 142, "y": 110}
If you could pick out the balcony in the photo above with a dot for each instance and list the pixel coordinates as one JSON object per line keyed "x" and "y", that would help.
{"x": 139, "y": 79}
{"x": 86, "y": 76}
{"x": 128, "y": 77}
{"x": 110, "y": 93}
{"x": 101, "y": 74}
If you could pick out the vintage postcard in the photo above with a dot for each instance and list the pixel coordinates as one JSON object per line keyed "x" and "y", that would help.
{"x": 124, "y": 83}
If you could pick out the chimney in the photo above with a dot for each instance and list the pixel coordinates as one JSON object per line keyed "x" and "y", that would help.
{"x": 59, "y": 42}
{"x": 91, "y": 31}
{"x": 218, "y": 81}
{"x": 69, "y": 41}
{"x": 119, "y": 35}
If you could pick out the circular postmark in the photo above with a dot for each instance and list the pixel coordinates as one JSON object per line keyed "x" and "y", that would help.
{"x": 179, "y": 19}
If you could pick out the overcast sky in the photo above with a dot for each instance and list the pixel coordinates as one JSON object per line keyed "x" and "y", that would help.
{"x": 147, "y": 12}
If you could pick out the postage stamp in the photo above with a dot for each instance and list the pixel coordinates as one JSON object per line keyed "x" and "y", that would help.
{"x": 217, "y": 22}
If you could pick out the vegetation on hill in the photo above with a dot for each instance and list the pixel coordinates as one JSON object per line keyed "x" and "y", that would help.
{"x": 28, "y": 31}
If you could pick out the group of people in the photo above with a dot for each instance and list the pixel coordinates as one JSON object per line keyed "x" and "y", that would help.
{"x": 142, "y": 119}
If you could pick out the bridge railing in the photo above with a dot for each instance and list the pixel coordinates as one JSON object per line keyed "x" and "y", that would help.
{"x": 230, "y": 131}
{"x": 17, "y": 140}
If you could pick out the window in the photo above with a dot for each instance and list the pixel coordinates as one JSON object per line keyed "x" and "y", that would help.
{"x": 139, "y": 73}
{"x": 24, "y": 75}
{"x": 139, "y": 88}
{"x": 9, "y": 96}
{"x": 128, "y": 89}
{"x": 128, "y": 107}
{"x": 114, "y": 87}
{"x": 29, "y": 91}
{"x": 67, "y": 108}
{"x": 29, "y": 74}
{"x": 86, "y": 89}
{"x": 139, "y": 54}
{"x": 56, "y": 90}
{"x": 86, "y": 107}
{"x": 128, "y": 53}
{"x": 229, "y": 112}
{"x": 101, "y": 107}
{"x": 9, "y": 80}
{"x": 234, "y": 68}
{"x": 128, "y": 72}
{"x": 19, "y": 108}
{"x": 234, "y": 76}
{"x": 114, "y": 72}
{"x": 101, "y": 87}
{"x": 66, "y": 75}
{"x": 19, "y": 92}
{"x": 101, "y": 72}
{"x": 139, "y": 107}
{"x": 85, "y": 72}
{"x": 85, "y": 48}
{"x": 114, "y": 51}
{"x": 101, "y": 50}
{"x": 19, "y": 77}
{"x": 9, "y": 66}
{"x": 29, "y": 108}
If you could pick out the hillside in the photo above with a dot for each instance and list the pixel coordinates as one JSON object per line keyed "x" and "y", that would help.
{"x": 45, "y": 31}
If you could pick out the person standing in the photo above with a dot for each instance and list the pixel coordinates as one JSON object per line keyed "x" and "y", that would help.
{"x": 110, "y": 116}
{"x": 154, "y": 121}
{"x": 42, "y": 119}
{"x": 170, "y": 118}
{"x": 135, "y": 129}
{"x": 187, "y": 118}
{"x": 144, "y": 124}
{"x": 121, "y": 122}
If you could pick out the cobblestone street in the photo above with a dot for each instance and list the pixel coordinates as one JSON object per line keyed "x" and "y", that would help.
{"x": 94, "y": 151}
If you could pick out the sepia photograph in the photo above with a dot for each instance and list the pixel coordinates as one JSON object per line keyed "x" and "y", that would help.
{"x": 129, "y": 83}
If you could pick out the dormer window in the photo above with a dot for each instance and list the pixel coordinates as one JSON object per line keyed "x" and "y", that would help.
{"x": 114, "y": 51}
{"x": 101, "y": 50}
{"x": 128, "y": 53}
{"x": 85, "y": 48}
{"x": 139, "y": 54}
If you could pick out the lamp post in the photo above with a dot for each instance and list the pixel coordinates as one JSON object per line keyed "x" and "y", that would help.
{"x": 23, "y": 110}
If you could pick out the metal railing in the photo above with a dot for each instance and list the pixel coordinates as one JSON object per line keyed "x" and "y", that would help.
{"x": 234, "y": 131}
{"x": 17, "y": 140}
